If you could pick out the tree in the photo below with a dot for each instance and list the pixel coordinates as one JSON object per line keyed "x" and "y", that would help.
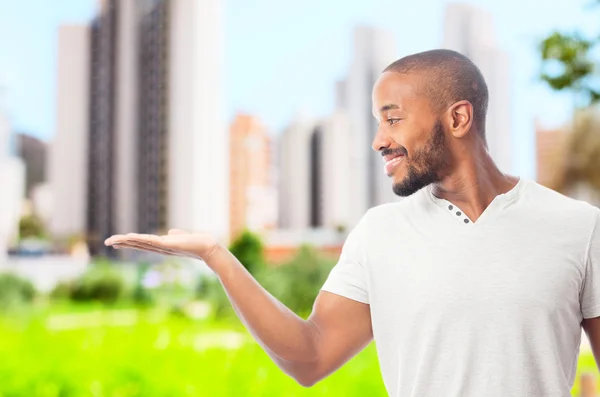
{"x": 569, "y": 65}
{"x": 249, "y": 250}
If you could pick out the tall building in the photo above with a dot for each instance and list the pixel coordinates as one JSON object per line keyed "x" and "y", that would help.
{"x": 551, "y": 152}
{"x": 12, "y": 175}
{"x": 337, "y": 184}
{"x": 198, "y": 142}
{"x": 316, "y": 181}
{"x": 295, "y": 173}
{"x": 470, "y": 31}
{"x": 158, "y": 149}
{"x": 68, "y": 151}
{"x": 253, "y": 203}
{"x": 373, "y": 51}
{"x": 33, "y": 152}
{"x": 101, "y": 137}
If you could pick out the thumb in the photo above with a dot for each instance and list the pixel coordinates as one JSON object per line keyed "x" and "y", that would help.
{"x": 177, "y": 231}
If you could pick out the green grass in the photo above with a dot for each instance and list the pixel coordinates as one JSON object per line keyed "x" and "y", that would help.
{"x": 127, "y": 353}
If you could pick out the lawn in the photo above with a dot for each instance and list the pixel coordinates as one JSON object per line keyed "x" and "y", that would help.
{"x": 130, "y": 352}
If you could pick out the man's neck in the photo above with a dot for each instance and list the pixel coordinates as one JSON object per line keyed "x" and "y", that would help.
{"x": 473, "y": 184}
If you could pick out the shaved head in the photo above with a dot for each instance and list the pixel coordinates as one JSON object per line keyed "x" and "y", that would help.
{"x": 446, "y": 77}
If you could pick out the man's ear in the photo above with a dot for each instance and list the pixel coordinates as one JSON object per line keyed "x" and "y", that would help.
{"x": 459, "y": 118}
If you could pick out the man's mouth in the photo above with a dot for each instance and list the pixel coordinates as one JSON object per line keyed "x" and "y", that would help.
{"x": 391, "y": 161}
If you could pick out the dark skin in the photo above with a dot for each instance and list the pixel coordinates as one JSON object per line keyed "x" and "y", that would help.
{"x": 471, "y": 180}
{"x": 338, "y": 328}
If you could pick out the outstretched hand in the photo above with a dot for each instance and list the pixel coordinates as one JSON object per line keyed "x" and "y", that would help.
{"x": 176, "y": 242}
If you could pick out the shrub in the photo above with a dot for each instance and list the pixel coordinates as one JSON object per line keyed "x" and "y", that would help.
{"x": 15, "y": 291}
{"x": 31, "y": 226}
{"x": 211, "y": 290}
{"x": 101, "y": 283}
{"x": 298, "y": 282}
{"x": 249, "y": 250}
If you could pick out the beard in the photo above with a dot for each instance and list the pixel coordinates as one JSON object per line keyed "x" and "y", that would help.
{"x": 426, "y": 164}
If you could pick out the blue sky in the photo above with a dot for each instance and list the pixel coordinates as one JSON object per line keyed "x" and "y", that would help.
{"x": 282, "y": 56}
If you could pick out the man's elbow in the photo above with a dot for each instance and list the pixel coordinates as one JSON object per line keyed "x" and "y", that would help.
{"x": 307, "y": 380}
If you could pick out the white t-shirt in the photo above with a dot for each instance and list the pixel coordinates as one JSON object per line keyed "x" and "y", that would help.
{"x": 491, "y": 308}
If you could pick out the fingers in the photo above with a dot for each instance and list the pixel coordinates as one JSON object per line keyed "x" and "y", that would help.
{"x": 144, "y": 247}
{"x": 177, "y": 231}
{"x": 134, "y": 237}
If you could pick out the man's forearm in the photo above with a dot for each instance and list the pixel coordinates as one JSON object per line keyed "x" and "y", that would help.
{"x": 290, "y": 340}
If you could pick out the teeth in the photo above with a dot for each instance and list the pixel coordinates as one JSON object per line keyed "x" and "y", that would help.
{"x": 395, "y": 159}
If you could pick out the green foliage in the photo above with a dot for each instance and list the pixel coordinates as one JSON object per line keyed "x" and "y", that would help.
{"x": 249, "y": 250}
{"x": 15, "y": 291}
{"x": 568, "y": 64}
{"x": 101, "y": 283}
{"x": 211, "y": 290}
{"x": 297, "y": 283}
{"x": 30, "y": 226}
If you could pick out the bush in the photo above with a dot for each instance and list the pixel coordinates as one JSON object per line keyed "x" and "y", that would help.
{"x": 211, "y": 290}
{"x": 102, "y": 283}
{"x": 297, "y": 283}
{"x": 15, "y": 291}
{"x": 31, "y": 226}
{"x": 249, "y": 250}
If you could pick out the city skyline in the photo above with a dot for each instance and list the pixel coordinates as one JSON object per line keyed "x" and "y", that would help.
{"x": 270, "y": 92}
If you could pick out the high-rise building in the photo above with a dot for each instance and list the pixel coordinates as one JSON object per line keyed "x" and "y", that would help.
{"x": 470, "y": 31}
{"x": 551, "y": 152}
{"x": 12, "y": 175}
{"x": 157, "y": 145}
{"x": 337, "y": 184}
{"x": 198, "y": 142}
{"x": 101, "y": 138}
{"x": 68, "y": 151}
{"x": 253, "y": 203}
{"x": 373, "y": 50}
{"x": 316, "y": 181}
{"x": 294, "y": 174}
{"x": 33, "y": 152}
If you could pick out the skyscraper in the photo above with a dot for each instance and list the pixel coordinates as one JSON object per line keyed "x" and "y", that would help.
{"x": 68, "y": 151}
{"x": 316, "y": 182}
{"x": 33, "y": 153}
{"x": 100, "y": 222}
{"x": 295, "y": 173}
{"x": 469, "y": 30}
{"x": 157, "y": 145}
{"x": 198, "y": 142}
{"x": 253, "y": 202}
{"x": 336, "y": 182}
{"x": 12, "y": 175}
{"x": 551, "y": 154}
{"x": 373, "y": 50}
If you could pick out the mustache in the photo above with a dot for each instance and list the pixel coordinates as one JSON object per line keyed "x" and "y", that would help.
{"x": 401, "y": 151}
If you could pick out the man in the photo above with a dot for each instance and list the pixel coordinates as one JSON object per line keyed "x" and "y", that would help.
{"x": 476, "y": 284}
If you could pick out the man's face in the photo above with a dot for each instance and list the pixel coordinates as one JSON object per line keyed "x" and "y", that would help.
{"x": 410, "y": 136}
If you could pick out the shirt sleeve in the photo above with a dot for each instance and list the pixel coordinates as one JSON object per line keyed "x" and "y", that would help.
{"x": 590, "y": 297}
{"x": 348, "y": 277}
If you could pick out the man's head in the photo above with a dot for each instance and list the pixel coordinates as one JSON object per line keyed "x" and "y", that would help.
{"x": 425, "y": 105}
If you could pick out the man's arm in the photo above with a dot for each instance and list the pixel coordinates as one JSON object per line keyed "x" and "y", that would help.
{"x": 307, "y": 350}
{"x": 591, "y": 326}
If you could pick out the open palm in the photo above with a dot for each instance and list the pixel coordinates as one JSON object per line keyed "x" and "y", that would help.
{"x": 177, "y": 243}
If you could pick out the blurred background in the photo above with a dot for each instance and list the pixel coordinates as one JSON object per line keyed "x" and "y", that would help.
{"x": 250, "y": 120}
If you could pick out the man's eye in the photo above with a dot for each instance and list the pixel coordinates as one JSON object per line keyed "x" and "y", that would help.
{"x": 392, "y": 121}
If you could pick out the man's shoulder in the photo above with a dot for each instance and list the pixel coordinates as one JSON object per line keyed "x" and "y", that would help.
{"x": 550, "y": 202}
